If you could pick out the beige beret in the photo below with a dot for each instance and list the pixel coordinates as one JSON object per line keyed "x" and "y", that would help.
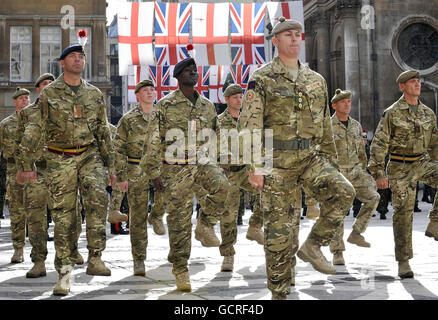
{"x": 142, "y": 84}
{"x": 43, "y": 77}
{"x": 232, "y": 89}
{"x": 405, "y": 76}
{"x": 284, "y": 24}
{"x": 341, "y": 94}
{"x": 20, "y": 92}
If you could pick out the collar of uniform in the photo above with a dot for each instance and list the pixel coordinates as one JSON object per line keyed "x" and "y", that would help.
{"x": 180, "y": 97}
{"x": 228, "y": 114}
{"x": 144, "y": 114}
{"x": 335, "y": 121}
{"x": 279, "y": 67}
{"x": 61, "y": 84}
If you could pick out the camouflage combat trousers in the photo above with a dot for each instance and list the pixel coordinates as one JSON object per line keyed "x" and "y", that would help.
{"x": 328, "y": 187}
{"x": 116, "y": 197}
{"x": 138, "y": 197}
{"x": 238, "y": 180}
{"x": 157, "y": 211}
{"x": 65, "y": 175}
{"x": 403, "y": 179}
{"x": 16, "y": 207}
{"x": 366, "y": 192}
{"x": 181, "y": 182}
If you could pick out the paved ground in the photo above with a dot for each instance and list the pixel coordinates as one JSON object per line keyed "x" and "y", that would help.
{"x": 370, "y": 274}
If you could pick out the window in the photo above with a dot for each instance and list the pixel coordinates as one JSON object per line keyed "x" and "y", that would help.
{"x": 114, "y": 49}
{"x": 74, "y": 40}
{"x": 50, "y": 50}
{"x": 21, "y": 54}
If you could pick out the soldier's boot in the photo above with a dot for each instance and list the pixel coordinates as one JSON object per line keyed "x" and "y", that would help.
{"x": 383, "y": 216}
{"x": 139, "y": 268}
{"x": 38, "y": 270}
{"x": 338, "y": 259}
{"x": 97, "y": 267}
{"x": 183, "y": 282}
{"x": 356, "y": 238}
{"x": 312, "y": 212}
{"x": 228, "y": 263}
{"x": 79, "y": 259}
{"x": 62, "y": 287}
{"x": 17, "y": 257}
{"x": 255, "y": 234}
{"x": 157, "y": 225}
{"x": 292, "y": 277}
{"x": 404, "y": 270}
{"x": 278, "y": 296}
{"x": 206, "y": 235}
{"x": 432, "y": 230}
{"x": 310, "y": 252}
{"x": 115, "y": 216}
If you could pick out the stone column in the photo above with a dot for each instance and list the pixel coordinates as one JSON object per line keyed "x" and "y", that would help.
{"x": 321, "y": 27}
{"x": 36, "y": 48}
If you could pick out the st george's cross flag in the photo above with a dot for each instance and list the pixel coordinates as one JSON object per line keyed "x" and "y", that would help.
{"x": 247, "y": 22}
{"x": 135, "y": 23}
{"x": 290, "y": 10}
{"x": 218, "y": 75}
{"x": 210, "y": 33}
{"x": 172, "y": 22}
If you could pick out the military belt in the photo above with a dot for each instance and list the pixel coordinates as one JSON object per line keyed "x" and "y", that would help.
{"x": 236, "y": 168}
{"x": 10, "y": 160}
{"x": 179, "y": 161}
{"x": 293, "y": 144}
{"x": 75, "y": 151}
{"x": 405, "y": 158}
{"x": 134, "y": 160}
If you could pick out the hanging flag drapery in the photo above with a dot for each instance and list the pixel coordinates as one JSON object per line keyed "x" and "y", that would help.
{"x": 290, "y": 10}
{"x": 135, "y": 23}
{"x": 240, "y": 73}
{"x": 210, "y": 33}
{"x": 247, "y": 33}
{"x": 171, "y": 32}
{"x": 218, "y": 75}
{"x": 203, "y": 81}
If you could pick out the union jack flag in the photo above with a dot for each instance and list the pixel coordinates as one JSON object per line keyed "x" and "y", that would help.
{"x": 163, "y": 80}
{"x": 172, "y": 21}
{"x": 240, "y": 74}
{"x": 203, "y": 81}
{"x": 247, "y": 33}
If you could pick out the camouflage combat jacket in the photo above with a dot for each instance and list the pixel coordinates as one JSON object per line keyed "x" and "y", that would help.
{"x": 293, "y": 110}
{"x": 349, "y": 143}
{"x": 175, "y": 111}
{"x": 8, "y": 132}
{"x": 403, "y": 132}
{"x": 69, "y": 120}
{"x": 129, "y": 142}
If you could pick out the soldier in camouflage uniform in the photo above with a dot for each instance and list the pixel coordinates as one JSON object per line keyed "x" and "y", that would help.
{"x": 129, "y": 142}
{"x": 238, "y": 177}
{"x": 3, "y": 166}
{"x": 181, "y": 113}
{"x": 291, "y": 100}
{"x": 8, "y": 132}
{"x": 352, "y": 162}
{"x": 79, "y": 155}
{"x": 408, "y": 132}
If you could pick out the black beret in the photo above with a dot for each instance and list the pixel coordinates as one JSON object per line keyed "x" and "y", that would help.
{"x": 72, "y": 48}
{"x": 181, "y": 65}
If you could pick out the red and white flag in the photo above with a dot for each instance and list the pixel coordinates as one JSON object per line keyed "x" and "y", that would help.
{"x": 135, "y": 24}
{"x": 172, "y": 22}
{"x": 218, "y": 75}
{"x": 135, "y": 75}
{"x": 290, "y": 10}
{"x": 210, "y": 33}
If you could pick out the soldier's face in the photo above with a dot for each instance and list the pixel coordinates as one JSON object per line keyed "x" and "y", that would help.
{"x": 411, "y": 87}
{"x": 146, "y": 94}
{"x": 21, "y": 102}
{"x": 342, "y": 107}
{"x": 288, "y": 43}
{"x": 234, "y": 101}
{"x": 189, "y": 76}
{"x": 74, "y": 62}
{"x": 42, "y": 85}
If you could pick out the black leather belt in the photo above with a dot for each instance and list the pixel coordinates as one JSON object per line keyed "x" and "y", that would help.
{"x": 293, "y": 144}
{"x": 236, "y": 168}
{"x": 403, "y": 158}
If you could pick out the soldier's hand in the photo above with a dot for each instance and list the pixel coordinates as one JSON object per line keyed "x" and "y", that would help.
{"x": 113, "y": 179}
{"x": 256, "y": 180}
{"x": 19, "y": 177}
{"x": 123, "y": 186}
{"x": 30, "y": 176}
{"x": 382, "y": 183}
{"x": 158, "y": 184}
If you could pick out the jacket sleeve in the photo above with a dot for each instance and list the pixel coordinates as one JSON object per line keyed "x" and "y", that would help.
{"x": 380, "y": 147}
{"x": 151, "y": 161}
